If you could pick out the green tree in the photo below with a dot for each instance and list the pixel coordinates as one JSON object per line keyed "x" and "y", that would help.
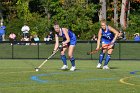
{"x": 23, "y": 10}
{"x": 77, "y": 17}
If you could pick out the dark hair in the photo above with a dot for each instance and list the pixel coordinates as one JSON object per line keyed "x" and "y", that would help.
{"x": 56, "y": 23}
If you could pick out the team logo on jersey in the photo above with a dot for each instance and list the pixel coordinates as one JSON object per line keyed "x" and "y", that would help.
{"x": 107, "y": 35}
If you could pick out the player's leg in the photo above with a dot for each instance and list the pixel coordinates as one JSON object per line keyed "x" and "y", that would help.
{"x": 108, "y": 56}
{"x": 64, "y": 59}
{"x": 101, "y": 57}
{"x": 72, "y": 59}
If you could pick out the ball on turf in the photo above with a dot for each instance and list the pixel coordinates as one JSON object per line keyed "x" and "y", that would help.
{"x": 36, "y": 69}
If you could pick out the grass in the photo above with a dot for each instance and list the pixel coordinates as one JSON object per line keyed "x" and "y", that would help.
{"x": 17, "y": 76}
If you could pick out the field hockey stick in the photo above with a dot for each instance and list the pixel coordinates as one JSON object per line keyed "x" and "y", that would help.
{"x": 96, "y": 50}
{"x": 37, "y": 69}
{"x": 59, "y": 48}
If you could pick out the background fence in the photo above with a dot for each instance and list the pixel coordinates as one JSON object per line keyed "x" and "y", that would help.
{"x": 129, "y": 50}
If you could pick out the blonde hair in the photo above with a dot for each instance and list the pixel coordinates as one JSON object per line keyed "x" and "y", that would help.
{"x": 103, "y": 21}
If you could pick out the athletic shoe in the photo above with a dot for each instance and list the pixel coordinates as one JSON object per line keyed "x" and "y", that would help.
{"x": 99, "y": 65}
{"x": 64, "y": 67}
{"x": 73, "y": 68}
{"x": 106, "y": 67}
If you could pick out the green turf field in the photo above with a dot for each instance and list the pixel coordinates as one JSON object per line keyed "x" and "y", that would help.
{"x": 19, "y": 76}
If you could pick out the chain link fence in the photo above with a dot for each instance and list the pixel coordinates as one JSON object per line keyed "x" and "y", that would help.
{"x": 124, "y": 50}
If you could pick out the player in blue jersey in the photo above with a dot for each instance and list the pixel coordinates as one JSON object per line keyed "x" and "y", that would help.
{"x": 107, "y": 37}
{"x": 69, "y": 40}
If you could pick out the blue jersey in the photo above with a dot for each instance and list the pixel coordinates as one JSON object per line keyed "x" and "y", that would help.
{"x": 2, "y": 30}
{"x": 72, "y": 36}
{"x": 107, "y": 36}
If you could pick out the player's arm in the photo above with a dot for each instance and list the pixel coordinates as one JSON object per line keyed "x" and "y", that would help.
{"x": 56, "y": 42}
{"x": 115, "y": 32}
{"x": 99, "y": 39}
{"x": 65, "y": 31}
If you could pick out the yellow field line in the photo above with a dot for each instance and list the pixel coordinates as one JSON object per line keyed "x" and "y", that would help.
{"x": 122, "y": 80}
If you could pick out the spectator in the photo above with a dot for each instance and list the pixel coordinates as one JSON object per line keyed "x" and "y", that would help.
{"x": 24, "y": 39}
{"x": 51, "y": 35}
{"x": 12, "y": 37}
{"x": 136, "y": 37}
{"x": 36, "y": 38}
{"x": 25, "y": 30}
{"x": 124, "y": 34}
{"x": 48, "y": 38}
{"x": 120, "y": 35}
{"x": 78, "y": 36}
{"x": 94, "y": 38}
{"x": 32, "y": 40}
{"x": 2, "y": 32}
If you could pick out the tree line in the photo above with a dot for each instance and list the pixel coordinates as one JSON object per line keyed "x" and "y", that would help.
{"x": 82, "y": 16}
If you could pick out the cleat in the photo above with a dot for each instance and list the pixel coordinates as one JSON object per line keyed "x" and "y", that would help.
{"x": 106, "y": 67}
{"x": 64, "y": 67}
{"x": 73, "y": 68}
{"x": 98, "y": 66}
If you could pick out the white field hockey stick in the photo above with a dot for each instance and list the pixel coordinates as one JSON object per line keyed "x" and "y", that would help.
{"x": 37, "y": 68}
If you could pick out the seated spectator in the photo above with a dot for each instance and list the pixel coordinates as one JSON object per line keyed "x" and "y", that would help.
{"x": 120, "y": 35}
{"x": 25, "y": 30}
{"x": 24, "y": 39}
{"x": 32, "y": 40}
{"x": 36, "y": 38}
{"x": 124, "y": 34}
{"x": 78, "y": 36}
{"x": 136, "y": 37}
{"x": 94, "y": 38}
{"x": 51, "y": 35}
{"x": 12, "y": 37}
{"x": 48, "y": 38}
